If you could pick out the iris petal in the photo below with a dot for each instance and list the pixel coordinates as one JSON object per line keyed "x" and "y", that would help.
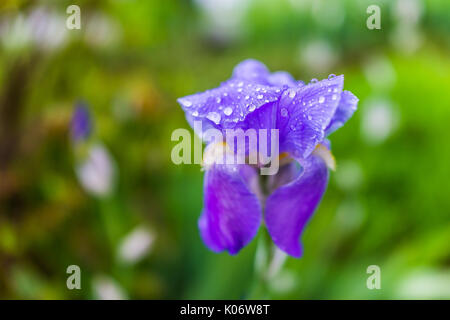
{"x": 346, "y": 108}
{"x": 289, "y": 207}
{"x": 232, "y": 212}
{"x": 303, "y": 114}
{"x": 229, "y": 104}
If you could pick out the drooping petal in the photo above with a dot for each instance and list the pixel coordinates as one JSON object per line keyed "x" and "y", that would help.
{"x": 346, "y": 108}
{"x": 228, "y": 104}
{"x": 232, "y": 212}
{"x": 304, "y": 112}
{"x": 289, "y": 208}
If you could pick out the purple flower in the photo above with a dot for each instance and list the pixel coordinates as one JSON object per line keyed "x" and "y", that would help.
{"x": 81, "y": 125}
{"x": 236, "y": 199}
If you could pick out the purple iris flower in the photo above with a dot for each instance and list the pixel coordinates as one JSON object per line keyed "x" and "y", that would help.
{"x": 81, "y": 124}
{"x": 236, "y": 198}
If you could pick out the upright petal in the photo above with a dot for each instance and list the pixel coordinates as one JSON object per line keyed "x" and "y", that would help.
{"x": 304, "y": 112}
{"x": 346, "y": 108}
{"x": 251, "y": 70}
{"x": 290, "y": 206}
{"x": 254, "y": 71}
{"x": 232, "y": 212}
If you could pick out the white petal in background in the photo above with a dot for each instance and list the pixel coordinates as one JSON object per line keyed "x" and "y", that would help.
{"x": 136, "y": 245}
{"x": 379, "y": 73}
{"x": 425, "y": 284}
{"x": 379, "y": 119}
{"x": 106, "y": 288}
{"x": 318, "y": 57}
{"x": 224, "y": 17}
{"x": 97, "y": 173}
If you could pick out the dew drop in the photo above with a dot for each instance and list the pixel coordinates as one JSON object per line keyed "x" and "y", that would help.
{"x": 240, "y": 84}
{"x": 321, "y": 99}
{"x": 259, "y": 96}
{"x": 227, "y": 111}
{"x": 247, "y": 97}
{"x": 214, "y": 117}
{"x": 187, "y": 103}
{"x": 251, "y": 108}
{"x": 291, "y": 94}
{"x": 334, "y": 97}
{"x": 218, "y": 100}
{"x": 314, "y": 80}
{"x": 284, "y": 112}
{"x": 331, "y": 76}
{"x": 195, "y": 113}
{"x": 258, "y": 89}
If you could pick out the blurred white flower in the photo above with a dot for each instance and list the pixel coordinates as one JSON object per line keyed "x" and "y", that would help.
{"x": 348, "y": 175}
{"x": 106, "y": 288}
{"x": 379, "y": 72}
{"x": 224, "y": 17}
{"x": 406, "y": 39}
{"x": 379, "y": 119}
{"x": 425, "y": 284}
{"x": 101, "y": 31}
{"x": 318, "y": 56}
{"x": 408, "y": 11}
{"x": 48, "y": 29}
{"x": 15, "y": 32}
{"x": 406, "y": 36}
{"x": 328, "y": 13}
{"x": 97, "y": 172}
{"x": 42, "y": 28}
{"x": 136, "y": 245}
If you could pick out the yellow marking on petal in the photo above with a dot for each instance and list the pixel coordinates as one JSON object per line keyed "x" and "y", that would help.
{"x": 215, "y": 153}
{"x": 326, "y": 156}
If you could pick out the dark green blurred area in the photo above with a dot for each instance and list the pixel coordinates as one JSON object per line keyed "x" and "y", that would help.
{"x": 388, "y": 203}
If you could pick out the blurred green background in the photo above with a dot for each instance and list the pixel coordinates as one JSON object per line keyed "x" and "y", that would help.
{"x": 132, "y": 228}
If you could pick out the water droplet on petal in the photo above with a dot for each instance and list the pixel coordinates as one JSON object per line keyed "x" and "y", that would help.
{"x": 331, "y": 76}
{"x": 247, "y": 97}
{"x": 187, "y": 103}
{"x": 259, "y": 96}
{"x": 284, "y": 112}
{"x": 258, "y": 89}
{"x": 218, "y": 100}
{"x": 251, "y": 108}
{"x": 240, "y": 84}
{"x": 195, "y": 113}
{"x": 334, "y": 97}
{"x": 214, "y": 117}
{"x": 321, "y": 99}
{"x": 309, "y": 118}
{"x": 291, "y": 94}
{"x": 314, "y": 80}
{"x": 227, "y": 111}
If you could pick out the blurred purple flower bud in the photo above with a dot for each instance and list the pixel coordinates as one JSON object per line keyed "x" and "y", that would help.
{"x": 81, "y": 124}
